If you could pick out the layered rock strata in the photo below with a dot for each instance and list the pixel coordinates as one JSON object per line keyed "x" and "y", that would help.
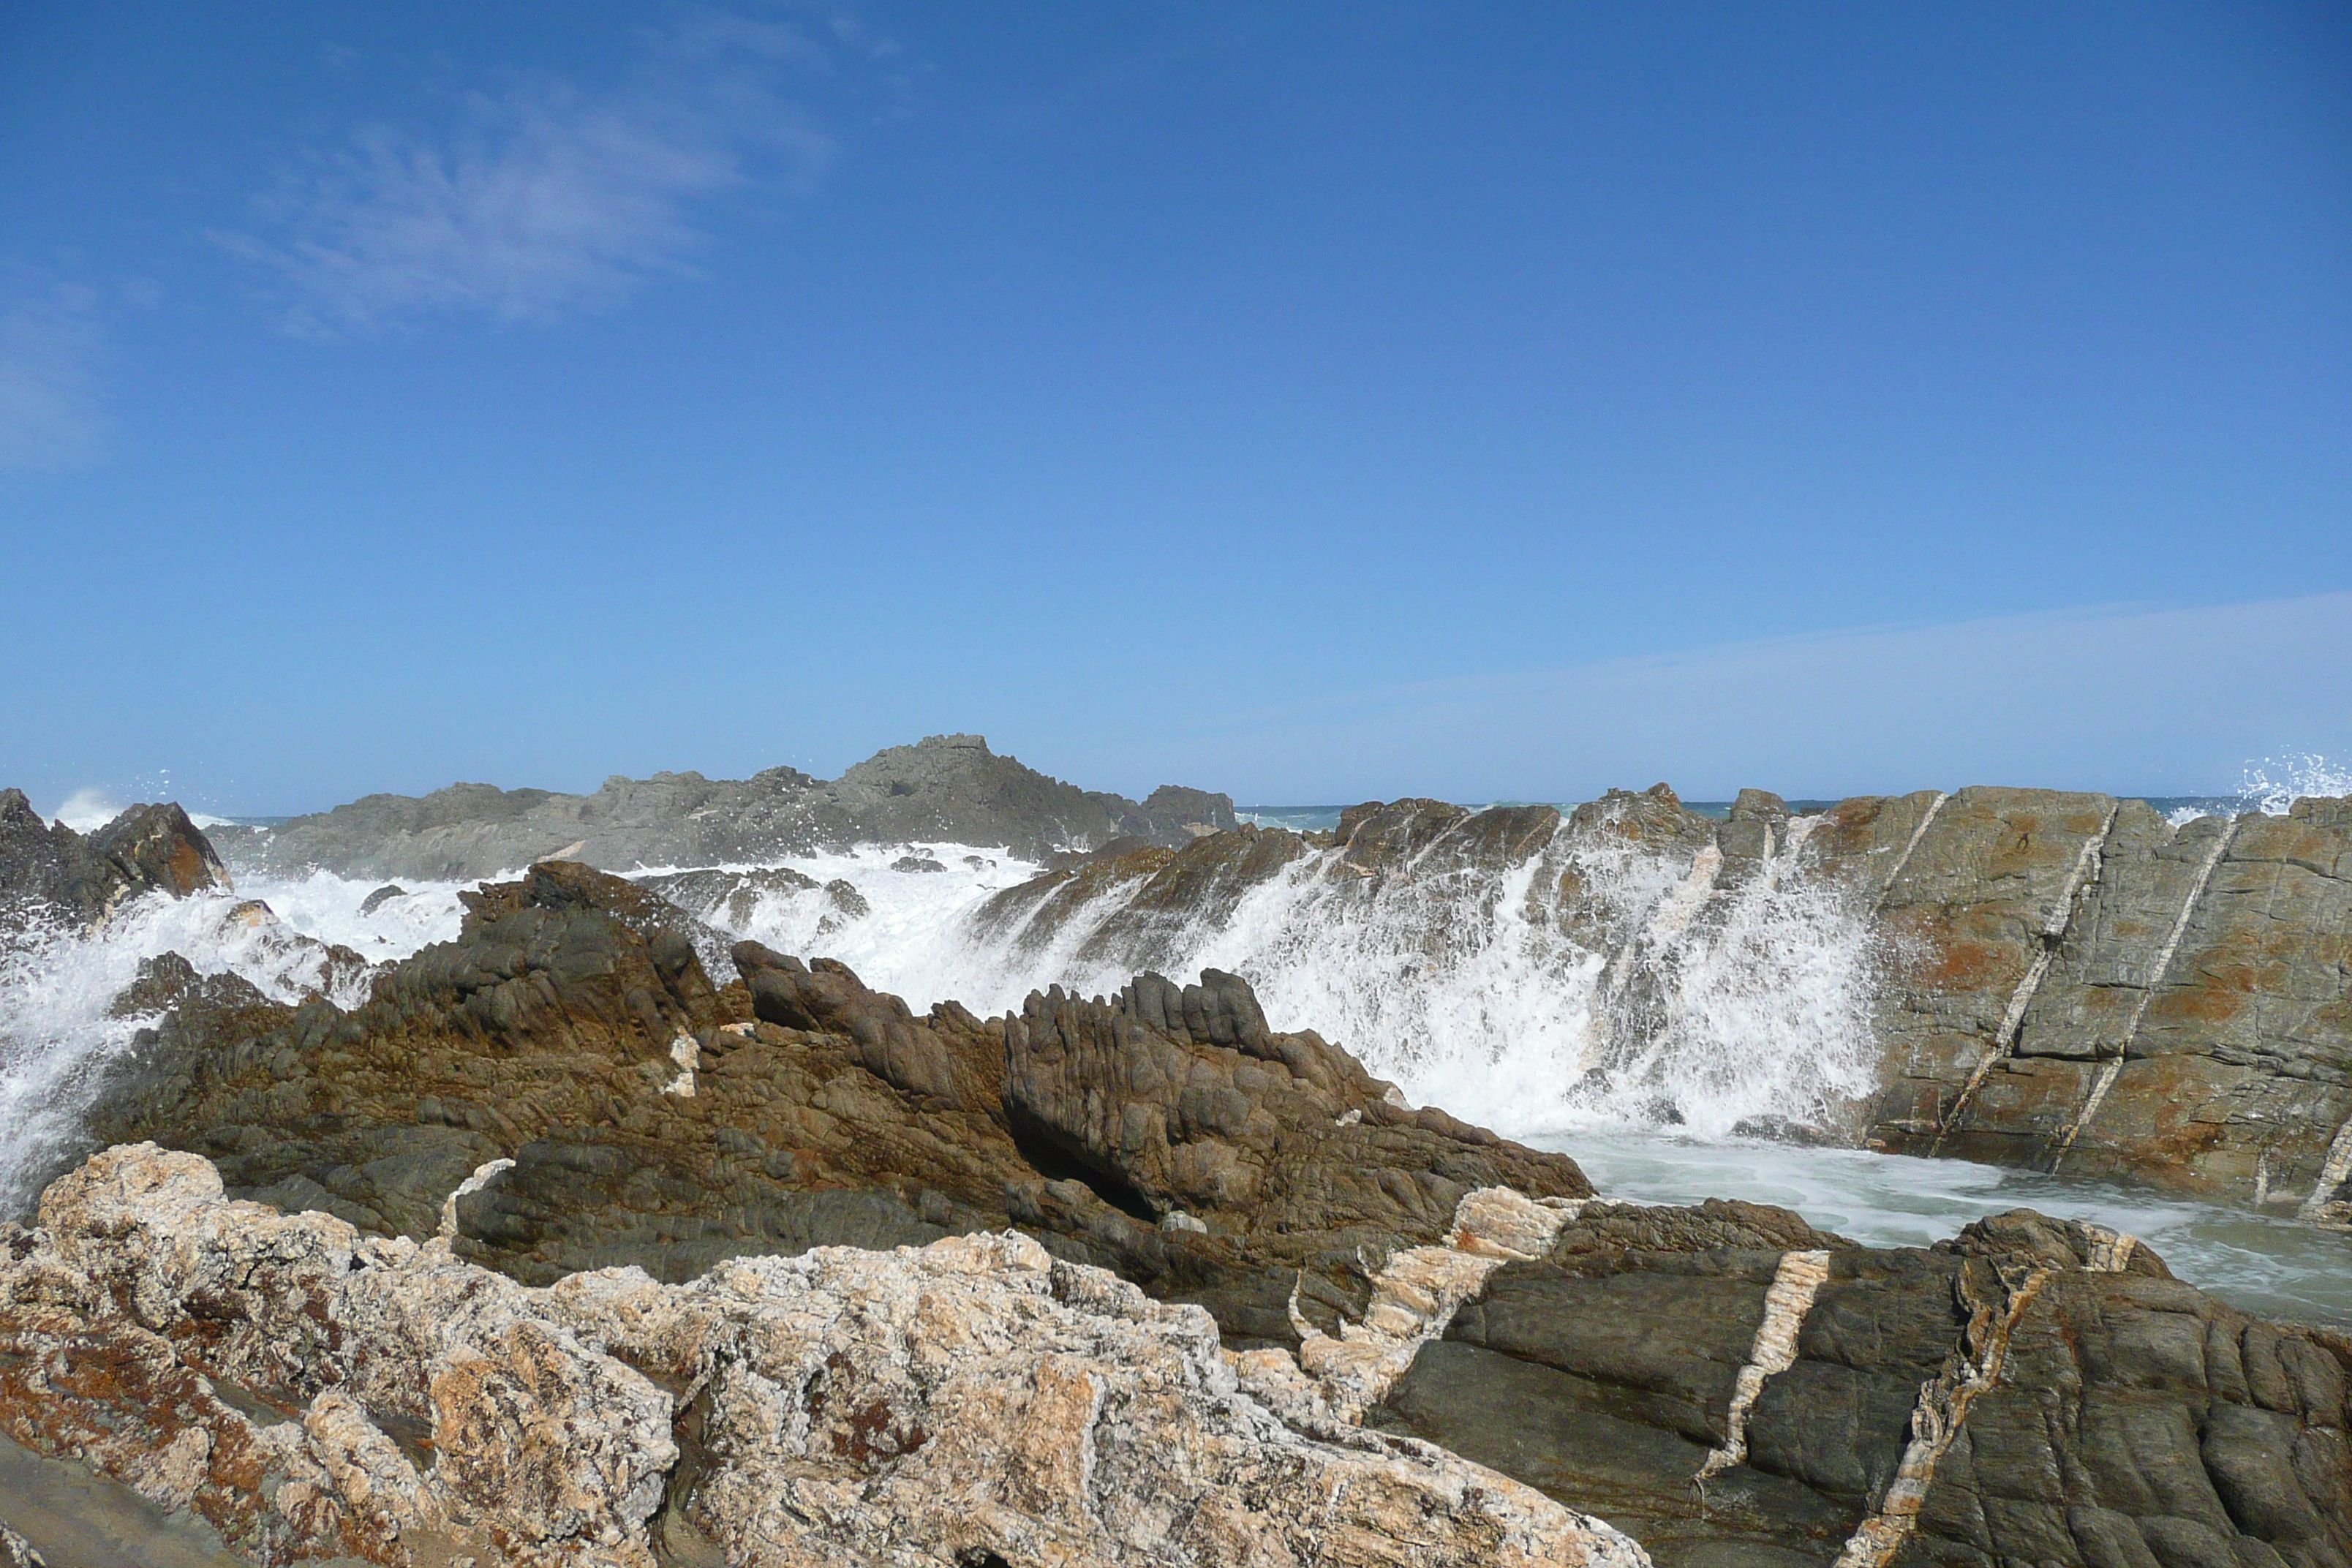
{"x": 2060, "y": 981}
{"x": 1727, "y": 1387}
{"x": 315, "y": 1393}
{"x": 948, "y": 788}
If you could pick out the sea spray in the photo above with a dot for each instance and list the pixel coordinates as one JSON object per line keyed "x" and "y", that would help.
{"x": 1588, "y": 980}
{"x": 59, "y": 989}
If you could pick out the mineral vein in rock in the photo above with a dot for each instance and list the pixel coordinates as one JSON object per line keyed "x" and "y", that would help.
{"x": 2083, "y": 873}
{"x": 1795, "y": 1283}
{"x": 1416, "y": 1293}
{"x": 1927, "y": 817}
{"x": 2114, "y": 1066}
{"x": 1942, "y": 1409}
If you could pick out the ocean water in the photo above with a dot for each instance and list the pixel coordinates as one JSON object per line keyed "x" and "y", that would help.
{"x": 1644, "y": 1028}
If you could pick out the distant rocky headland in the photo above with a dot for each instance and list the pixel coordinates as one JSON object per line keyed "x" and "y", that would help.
{"x": 595, "y": 1236}
{"x": 948, "y": 788}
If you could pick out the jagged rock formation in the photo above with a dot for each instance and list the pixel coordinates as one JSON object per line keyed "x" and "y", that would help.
{"x": 949, "y": 788}
{"x": 1725, "y": 1382}
{"x": 311, "y": 1393}
{"x": 656, "y": 1120}
{"x": 82, "y": 879}
{"x": 2063, "y": 980}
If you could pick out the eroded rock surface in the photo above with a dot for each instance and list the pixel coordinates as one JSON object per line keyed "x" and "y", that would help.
{"x": 312, "y": 1394}
{"x": 1727, "y": 1385}
{"x": 654, "y": 1120}
{"x": 80, "y": 879}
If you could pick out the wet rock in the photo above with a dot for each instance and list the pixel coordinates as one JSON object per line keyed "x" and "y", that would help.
{"x": 972, "y": 1401}
{"x": 560, "y": 1002}
{"x": 2054, "y": 980}
{"x": 571, "y": 1028}
{"x": 731, "y": 897}
{"x": 382, "y": 897}
{"x": 2036, "y": 1390}
{"x": 915, "y": 863}
{"x": 52, "y": 872}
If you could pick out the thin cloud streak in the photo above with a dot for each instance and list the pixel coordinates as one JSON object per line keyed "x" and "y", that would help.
{"x": 52, "y": 417}
{"x": 545, "y": 199}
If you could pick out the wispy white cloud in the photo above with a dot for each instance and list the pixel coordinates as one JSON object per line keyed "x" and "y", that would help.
{"x": 51, "y": 416}
{"x": 543, "y": 199}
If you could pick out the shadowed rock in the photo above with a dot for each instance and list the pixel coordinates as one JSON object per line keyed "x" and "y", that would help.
{"x": 52, "y": 871}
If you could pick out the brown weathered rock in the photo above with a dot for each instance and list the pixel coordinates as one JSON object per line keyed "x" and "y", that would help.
{"x": 2036, "y": 1390}
{"x": 81, "y": 880}
{"x": 571, "y": 1029}
{"x": 313, "y": 1393}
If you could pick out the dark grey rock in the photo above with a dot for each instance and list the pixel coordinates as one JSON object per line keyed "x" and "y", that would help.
{"x": 52, "y": 872}
{"x": 382, "y": 897}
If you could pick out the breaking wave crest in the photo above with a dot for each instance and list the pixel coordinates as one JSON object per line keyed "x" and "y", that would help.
{"x": 62, "y": 1013}
{"x": 1575, "y": 983}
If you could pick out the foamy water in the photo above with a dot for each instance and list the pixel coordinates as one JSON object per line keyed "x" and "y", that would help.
{"x": 2264, "y": 1262}
{"x": 58, "y": 988}
{"x": 1496, "y": 995}
{"x": 1587, "y": 996}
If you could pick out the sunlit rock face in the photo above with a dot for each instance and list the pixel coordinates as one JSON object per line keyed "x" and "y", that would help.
{"x": 50, "y": 871}
{"x": 2028, "y": 977}
{"x": 312, "y": 1393}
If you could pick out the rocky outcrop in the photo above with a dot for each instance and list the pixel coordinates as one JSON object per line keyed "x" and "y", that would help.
{"x": 561, "y": 1093}
{"x": 1726, "y": 1385}
{"x": 312, "y": 1393}
{"x": 654, "y": 1120}
{"x": 949, "y": 788}
{"x": 2075, "y": 983}
{"x": 55, "y": 873}
{"x": 2063, "y": 980}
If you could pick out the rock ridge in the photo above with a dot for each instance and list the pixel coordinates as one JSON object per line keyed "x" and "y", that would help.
{"x": 946, "y": 788}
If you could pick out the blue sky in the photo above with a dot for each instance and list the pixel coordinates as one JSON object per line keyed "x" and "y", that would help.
{"x": 1311, "y": 402}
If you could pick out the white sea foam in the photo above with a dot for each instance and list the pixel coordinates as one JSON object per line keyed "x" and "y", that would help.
{"x": 1482, "y": 990}
{"x": 2274, "y": 785}
{"x": 86, "y": 810}
{"x": 58, "y": 989}
{"x": 912, "y": 939}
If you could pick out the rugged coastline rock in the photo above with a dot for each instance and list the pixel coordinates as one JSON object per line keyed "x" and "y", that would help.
{"x": 1724, "y": 1384}
{"x": 2060, "y": 981}
{"x": 53, "y": 871}
{"x": 1727, "y": 1388}
{"x": 655, "y": 1120}
{"x": 312, "y": 1393}
{"x": 948, "y": 788}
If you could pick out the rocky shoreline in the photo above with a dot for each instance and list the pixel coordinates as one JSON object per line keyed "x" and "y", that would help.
{"x": 2060, "y": 981}
{"x": 949, "y": 788}
{"x": 565, "y": 1245}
